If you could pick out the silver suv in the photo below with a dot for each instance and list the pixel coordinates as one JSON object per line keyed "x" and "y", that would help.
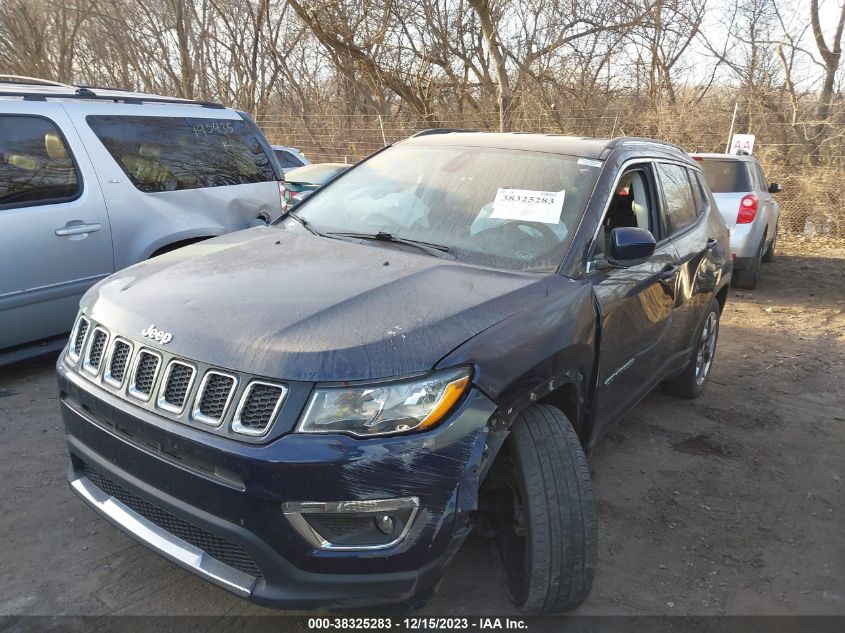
{"x": 92, "y": 181}
{"x": 745, "y": 200}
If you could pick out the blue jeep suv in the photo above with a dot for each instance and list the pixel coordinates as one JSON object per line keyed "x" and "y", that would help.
{"x": 317, "y": 413}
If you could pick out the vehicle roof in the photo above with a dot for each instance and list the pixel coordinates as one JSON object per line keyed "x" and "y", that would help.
{"x": 43, "y": 91}
{"x": 718, "y": 156}
{"x": 581, "y": 146}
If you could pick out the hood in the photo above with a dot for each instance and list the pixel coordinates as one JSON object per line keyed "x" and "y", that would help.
{"x": 301, "y": 307}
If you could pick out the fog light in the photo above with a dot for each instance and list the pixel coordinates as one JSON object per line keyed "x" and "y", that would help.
{"x": 385, "y": 524}
{"x": 353, "y": 525}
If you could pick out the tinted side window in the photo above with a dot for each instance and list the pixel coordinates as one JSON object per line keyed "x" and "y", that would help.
{"x": 698, "y": 193}
{"x": 35, "y": 164}
{"x": 172, "y": 153}
{"x": 680, "y": 210}
{"x": 286, "y": 159}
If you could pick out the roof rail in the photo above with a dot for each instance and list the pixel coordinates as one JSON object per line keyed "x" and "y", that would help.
{"x": 88, "y": 94}
{"x": 94, "y": 87}
{"x": 30, "y": 81}
{"x": 623, "y": 140}
{"x": 440, "y": 130}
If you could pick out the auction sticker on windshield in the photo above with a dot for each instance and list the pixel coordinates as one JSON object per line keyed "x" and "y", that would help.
{"x": 528, "y": 205}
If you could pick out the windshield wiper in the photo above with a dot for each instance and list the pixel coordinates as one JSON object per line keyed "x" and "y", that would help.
{"x": 437, "y": 250}
{"x": 305, "y": 223}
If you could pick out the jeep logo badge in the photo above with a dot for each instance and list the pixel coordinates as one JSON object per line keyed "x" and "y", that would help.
{"x": 157, "y": 335}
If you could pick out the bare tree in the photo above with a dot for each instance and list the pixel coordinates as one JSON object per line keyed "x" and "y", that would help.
{"x": 38, "y": 38}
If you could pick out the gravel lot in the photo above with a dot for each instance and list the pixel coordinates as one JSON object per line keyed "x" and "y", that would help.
{"x": 731, "y": 504}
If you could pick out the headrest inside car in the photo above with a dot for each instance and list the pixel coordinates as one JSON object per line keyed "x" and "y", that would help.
{"x": 54, "y": 146}
{"x": 150, "y": 151}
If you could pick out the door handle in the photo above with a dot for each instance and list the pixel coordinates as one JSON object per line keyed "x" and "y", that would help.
{"x": 711, "y": 243}
{"x": 78, "y": 229}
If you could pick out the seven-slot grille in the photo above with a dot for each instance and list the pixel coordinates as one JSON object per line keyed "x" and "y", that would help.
{"x": 117, "y": 362}
{"x": 95, "y": 350}
{"x": 258, "y": 407}
{"x": 79, "y": 337}
{"x": 145, "y": 374}
{"x": 175, "y": 386}
{"x": 98, "y": 353}
{"x": 214, "y": 396}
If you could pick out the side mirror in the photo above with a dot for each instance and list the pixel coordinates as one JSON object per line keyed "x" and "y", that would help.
{"x": 629, "y": 244}
{"x": 774, "y": 188}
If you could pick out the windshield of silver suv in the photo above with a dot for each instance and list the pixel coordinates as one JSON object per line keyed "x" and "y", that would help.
{"x": 504, "y": 208}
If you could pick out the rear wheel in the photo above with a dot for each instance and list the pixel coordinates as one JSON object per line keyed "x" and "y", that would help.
{"x": 747, "y": 277}
{"x": 770, "y": 252}
{"x": 690, "y": 383}
{"x": 545, "y": 520}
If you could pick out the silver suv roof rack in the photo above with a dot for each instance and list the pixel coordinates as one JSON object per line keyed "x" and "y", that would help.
{"x": 81, "y": 92}
{"x": 31, "y": 81}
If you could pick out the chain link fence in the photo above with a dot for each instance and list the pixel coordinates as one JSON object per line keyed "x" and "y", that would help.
{"x": 812, "y": 200}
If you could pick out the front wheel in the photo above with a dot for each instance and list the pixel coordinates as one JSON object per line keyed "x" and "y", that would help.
{"x": 690, "y": 383}
{"x": 547, "y": 534}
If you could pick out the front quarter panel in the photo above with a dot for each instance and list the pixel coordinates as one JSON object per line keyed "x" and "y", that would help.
{"x": 525, "y": 357}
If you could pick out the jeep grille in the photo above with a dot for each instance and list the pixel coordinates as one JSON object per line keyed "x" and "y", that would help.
{"x": 79, "y": 336}
{"x": 118, "y": 361}
{"x": 145, "y": 375}
{"x": 95, "y": 350}
{"x": 179, "y": 389}
{"x": 213, "y": 397}
{"x": 258, "y": 408}
{"x": 176, "y": 384}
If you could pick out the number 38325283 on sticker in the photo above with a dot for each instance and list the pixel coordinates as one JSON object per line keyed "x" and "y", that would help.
{"x": 528, "y": 205}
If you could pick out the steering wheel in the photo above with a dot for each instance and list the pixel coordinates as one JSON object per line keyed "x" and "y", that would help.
{"x": 379, "y": 219}
{"x": 547, "y": 233}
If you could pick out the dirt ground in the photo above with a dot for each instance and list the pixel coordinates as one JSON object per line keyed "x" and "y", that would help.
{"x": 730, "y": 504}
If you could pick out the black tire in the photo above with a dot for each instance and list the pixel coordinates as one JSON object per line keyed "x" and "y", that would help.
{"x": 550, "y": 567}
{"x": 769, "y": 255}
{"x": 747, "y": 277}
{"x": 691, "y": 381}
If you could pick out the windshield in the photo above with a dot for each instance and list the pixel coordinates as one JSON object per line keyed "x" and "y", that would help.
{"x": 726, "y": 176}
{"x": 510, "y": 209}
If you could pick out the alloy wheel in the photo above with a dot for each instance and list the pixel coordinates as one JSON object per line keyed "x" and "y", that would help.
{"x": 706, "y": 348}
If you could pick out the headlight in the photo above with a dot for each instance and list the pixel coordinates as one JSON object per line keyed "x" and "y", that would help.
{"x": 382, "y": 409}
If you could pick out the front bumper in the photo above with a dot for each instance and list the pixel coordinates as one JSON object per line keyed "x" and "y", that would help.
{"x": 214, "y": 505}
